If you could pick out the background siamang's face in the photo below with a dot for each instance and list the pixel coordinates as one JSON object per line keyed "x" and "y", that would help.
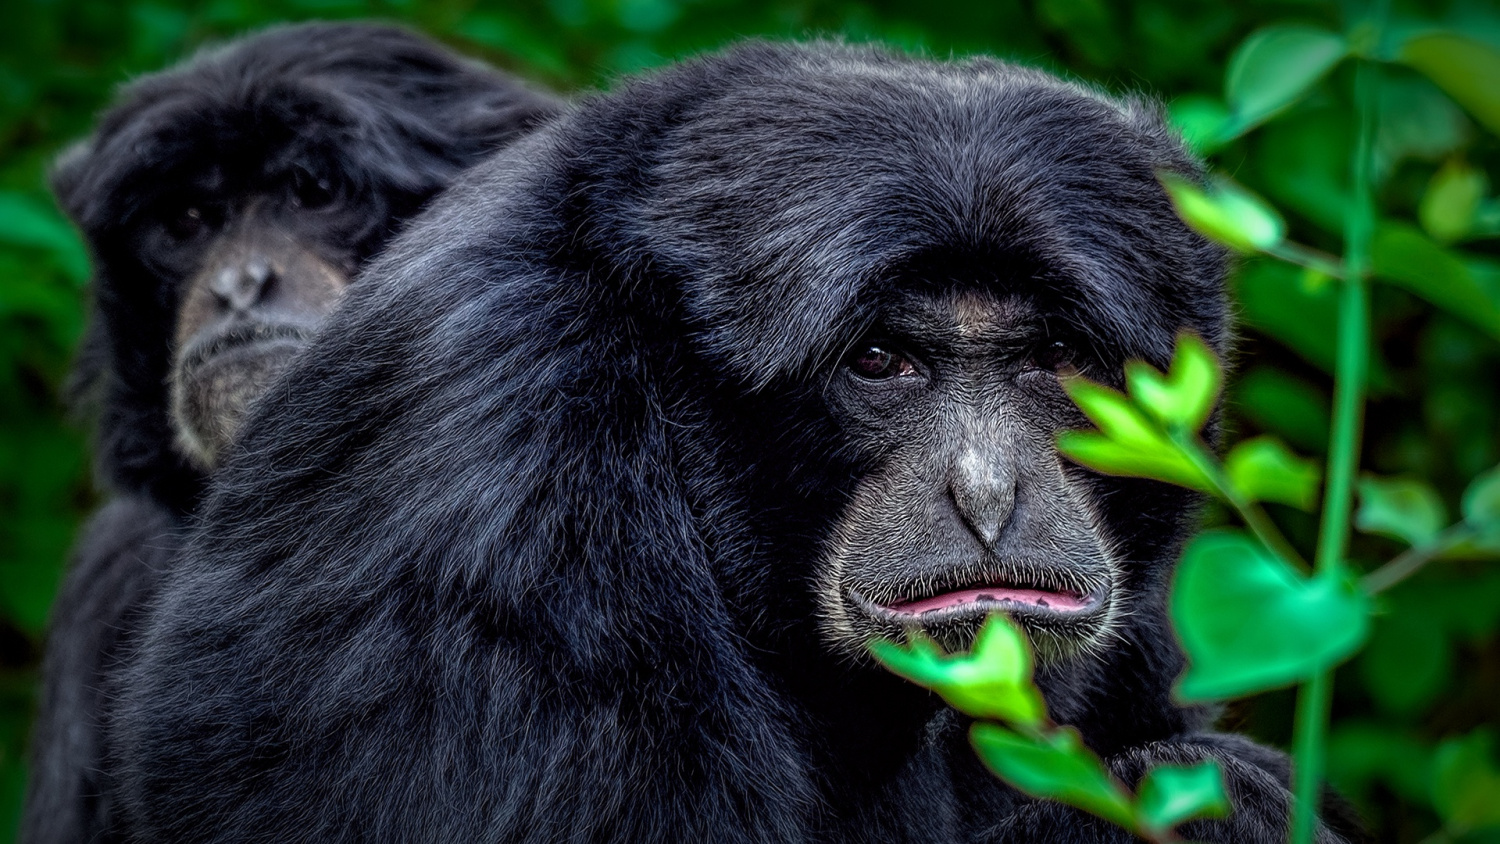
{"x": 257, "y": 256}
{"x": 953, "y": 400}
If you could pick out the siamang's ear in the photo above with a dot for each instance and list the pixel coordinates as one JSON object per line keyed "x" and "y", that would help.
{"x": 69, "y": 172}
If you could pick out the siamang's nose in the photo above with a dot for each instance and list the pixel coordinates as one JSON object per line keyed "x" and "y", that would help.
{"x": 240, "y": 286}
{"x": 984, "y": 489}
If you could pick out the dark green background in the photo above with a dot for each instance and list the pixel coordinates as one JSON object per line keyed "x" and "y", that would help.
{"x": 1433, "y": 666}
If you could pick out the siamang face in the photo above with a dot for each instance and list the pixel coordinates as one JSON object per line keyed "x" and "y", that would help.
{"x": 953, "y": 400}
{"x": 256, "y": 264}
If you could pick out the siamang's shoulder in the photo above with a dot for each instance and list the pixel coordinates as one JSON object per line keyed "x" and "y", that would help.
{"x": 123, "y": 550}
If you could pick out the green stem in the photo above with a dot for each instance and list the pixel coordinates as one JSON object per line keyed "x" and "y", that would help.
{"x": 1253, "y": 516}
{"x": 1343, "y": 456}
{"x": 1412, "y": 560}
{"x": 1311, "y": 732}
{"x": 1306, "y": 256}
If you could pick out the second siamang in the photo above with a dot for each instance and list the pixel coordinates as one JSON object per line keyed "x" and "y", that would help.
{"x": 575, "y": 523}
{"x": 228, "y": 203}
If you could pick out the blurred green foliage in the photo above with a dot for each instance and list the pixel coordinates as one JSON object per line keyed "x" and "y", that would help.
{"x": 1431, "y": 670}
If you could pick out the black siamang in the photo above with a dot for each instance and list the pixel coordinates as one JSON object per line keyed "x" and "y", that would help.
{"x": 228, "y": 203}
{"x": 574, "y": 524}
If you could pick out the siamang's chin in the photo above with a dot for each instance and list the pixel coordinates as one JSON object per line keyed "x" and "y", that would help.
{"x": 218, "y": 377}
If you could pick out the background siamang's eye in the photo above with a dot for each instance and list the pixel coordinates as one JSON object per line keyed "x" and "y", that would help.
{"x": 187, "y": 224}
{"x": 310, "y": 190}
{"x": 878, "y": 362}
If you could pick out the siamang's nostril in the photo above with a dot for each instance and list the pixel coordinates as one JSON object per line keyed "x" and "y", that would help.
{"x": 241, "y": 286}
{"x": 984, "y": 490}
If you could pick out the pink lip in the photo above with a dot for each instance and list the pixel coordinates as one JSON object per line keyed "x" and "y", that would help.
{"x": 1056, "y": 601}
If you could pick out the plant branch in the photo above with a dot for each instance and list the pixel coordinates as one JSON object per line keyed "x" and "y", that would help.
{"x": 1249, "y": 512}
{"x": 1306, "y": 256}
{"x": 1410, "y": 561}
{"x": 1348, "y": 399}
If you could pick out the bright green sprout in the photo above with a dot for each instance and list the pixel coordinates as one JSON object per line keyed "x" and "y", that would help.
{"x": 993, "y": 683}
{"x": 993, "y": 680}
{"x": 1228, "y": 213}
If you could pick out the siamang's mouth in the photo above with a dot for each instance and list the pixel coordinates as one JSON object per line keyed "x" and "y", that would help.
{"x": 239, "y": 338}
{"x": 1074, "y": 606}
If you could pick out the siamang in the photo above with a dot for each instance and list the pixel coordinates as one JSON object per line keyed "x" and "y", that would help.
{"x": 574, "y": 524}
{"x": 228, "y": 203}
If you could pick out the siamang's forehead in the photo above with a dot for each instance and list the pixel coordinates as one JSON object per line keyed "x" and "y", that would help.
{"x": 173, "y": 146}
{"x": 961, "y": 317}
{"x": 790, "y": 199}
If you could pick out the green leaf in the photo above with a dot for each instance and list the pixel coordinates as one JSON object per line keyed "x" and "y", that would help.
{"x": 1481, "y": 502}
{"x": 1169, "y": 795}
{"x": 1203, "y": 122}
{"x": 1129, "y": 441}
{"x": 1112, "y": 411}
{"x": 1405, "y": 509}
{"x": 1285, "y": 404}
{"x": 1184, "y": 397}
{"x": 1407, "y": 662}
{"x": 1303, "y": 164}
{"x": 1404, "y": 256}
{"x": 1227, "y": 213}
{"x": 26, "y": 222}
{"x": 1360, "y": 755}
{"x": 1466, "y": 782}
{"x": 1275, "y": 299}
{"x": 1263, "y": 469}
{"x": 1163, "y": 463}
{"x": 1415, "y": 119}
{"x": 1463, "y": 67}
{"x": 1054, "y": 767}
{"x": 1249, "y": 622}
{"x": 1448, "y": 207}
{"x": 1275, "y": 66}
{"x": 993, "y": 680}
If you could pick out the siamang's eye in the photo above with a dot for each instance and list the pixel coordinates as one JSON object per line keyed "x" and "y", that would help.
{"x": 877, "y": 363}
{"x": 1053, "y": 355}
{"x": 188, "y": 223}
{"x": 310, "y": 190}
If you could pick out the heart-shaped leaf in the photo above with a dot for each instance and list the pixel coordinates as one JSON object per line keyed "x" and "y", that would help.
{"x": 1169, "y": 795}
{"x": 1227, "y": 213}
{"x": 992, "y": 680}
{"x": 1128, "y": 443}
{"x": 1452, "y": 199}
{"x": 1248, "y": 621}
{"x": 1184, "y": 397}
{"x": 1054, "y": 767}
{"x": 1481, "y": 502}
{"x": 1464, "y": 68}
{"x": 1113, "y": 412}
{"x": 1263, "y": 469}
{"x": 1466, "y": 782}
{"x": 1405, "y": 509}
{"x": 1277, "y": 65}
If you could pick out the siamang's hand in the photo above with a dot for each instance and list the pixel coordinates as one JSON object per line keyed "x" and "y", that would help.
{"x": 1256, "y": 778}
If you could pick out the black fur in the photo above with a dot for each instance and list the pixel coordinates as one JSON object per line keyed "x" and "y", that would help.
{"x": 529, "y": 551}
{"x": 395, "y": 116}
